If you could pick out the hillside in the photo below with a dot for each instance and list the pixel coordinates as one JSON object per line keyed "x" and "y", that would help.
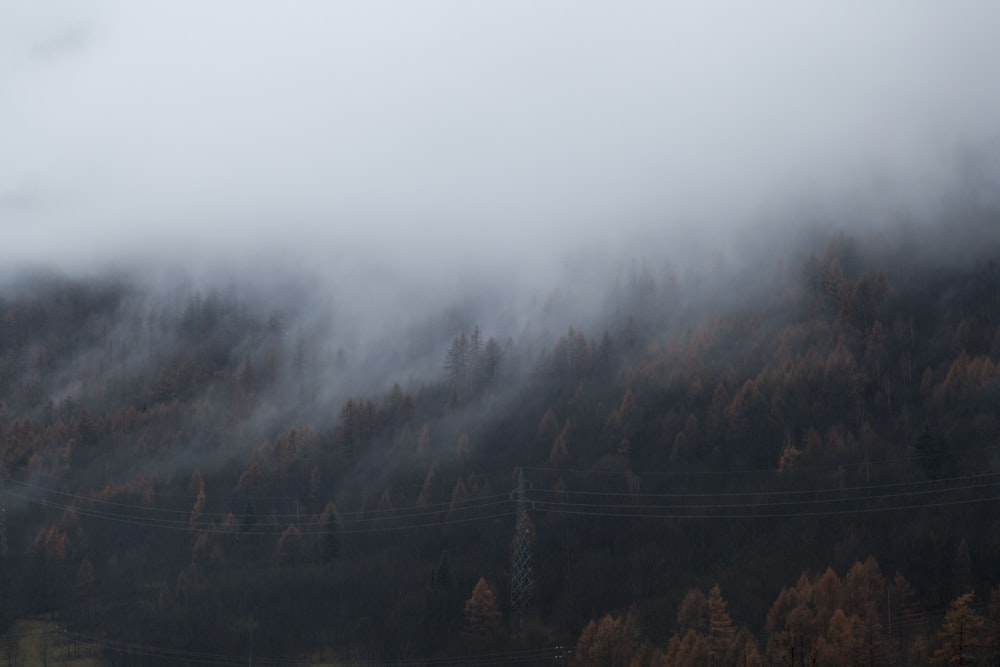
{"x": 770, "y": 460}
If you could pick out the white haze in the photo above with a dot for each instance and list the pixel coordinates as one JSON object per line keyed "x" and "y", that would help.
{"x": 393, "y": 172}
{"x": 387, "y": 174}
{"x": 440, "y": 139}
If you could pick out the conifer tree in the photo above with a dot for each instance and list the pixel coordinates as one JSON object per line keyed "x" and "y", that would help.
{"x": 289, "y": 549}
{"x": 560, "y": 449}
{"x": 199, "y": 506}
{"x": 428, "y": 488}
{"x": 482, "y": 616}
{"x": 991, "y": 641}
{"x": 459, "y": 495}
{"x": 330, "y": 521}
{"x": 961, "y": 635}
{"x": 690, "y": 650}
{"x": 611, "y": 642}
{"x": 693, "y": 614}
{"x": 548, "y": 427}
{"x": 721, "y": 633}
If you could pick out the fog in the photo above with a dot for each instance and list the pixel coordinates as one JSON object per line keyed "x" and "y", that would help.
{"x": 251, "y": 237}
{"x": 387, "y": 175}
{"x": 375, "y": 179}
{"x": 437, "y": 138}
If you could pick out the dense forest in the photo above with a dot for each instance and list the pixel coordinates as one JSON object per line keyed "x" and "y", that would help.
{"x": 788, "y": 460}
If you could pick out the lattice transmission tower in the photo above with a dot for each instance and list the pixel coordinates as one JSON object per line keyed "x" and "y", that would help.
{"x": 522, "y": 579}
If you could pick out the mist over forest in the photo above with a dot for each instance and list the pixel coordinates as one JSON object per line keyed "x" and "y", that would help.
{"x": 442, "y": 334}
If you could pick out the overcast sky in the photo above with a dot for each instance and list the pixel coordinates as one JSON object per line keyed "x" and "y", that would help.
{"x": 446, "y": 134}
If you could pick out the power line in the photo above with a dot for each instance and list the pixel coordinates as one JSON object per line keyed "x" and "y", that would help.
{"x": 555, "y": 509}
{"x": 425, "y": 509}
{"x": 875, "y": 464}
{"x": 765, "y": 493}
{"x": 498, "y": 509}
{"x": 592, "y": 503}
{"x": 365, "y": 514}
{"x": 764, "y": 504}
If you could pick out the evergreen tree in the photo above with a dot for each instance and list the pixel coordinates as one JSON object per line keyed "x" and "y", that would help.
{"x": 610, "y": 642}
{"x": 962, "y": 634}
{"x": 721, "y": 633}
{"x": 482, "y": 617}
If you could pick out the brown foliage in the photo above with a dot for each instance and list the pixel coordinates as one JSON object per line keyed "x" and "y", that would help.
{"x": 610, "y": 642}
{"x": 962, "y": 634}
{"x": 482, "y": 616}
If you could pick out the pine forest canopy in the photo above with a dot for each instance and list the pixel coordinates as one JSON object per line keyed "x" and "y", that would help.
{"x": 791, "y": 461}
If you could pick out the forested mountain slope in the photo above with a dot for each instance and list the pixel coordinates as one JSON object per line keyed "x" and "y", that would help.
{"x": 797, "y": 471}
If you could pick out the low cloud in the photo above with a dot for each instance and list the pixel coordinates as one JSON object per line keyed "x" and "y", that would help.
{"x": 437, "y": 141}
